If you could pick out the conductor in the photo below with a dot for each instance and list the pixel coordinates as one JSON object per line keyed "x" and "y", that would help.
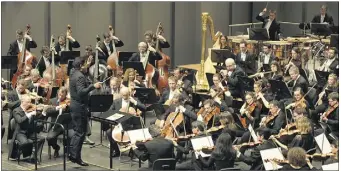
{"x": 80, "y": 88}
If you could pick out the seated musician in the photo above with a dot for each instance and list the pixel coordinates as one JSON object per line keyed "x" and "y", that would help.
{"x": 209, "y": 113}
{"x": 16, "y": 46}
{"x": 130, "y": 76}
{"x": 147, "y": 54}
{"x": 125, "y": 104}
{"x": 150, "y": 39}
{"x": 222, "y": 43}
{"x": 298, "y": 101}
{"x": 58, "y": 104}
{"x": 225, "y": 99}
{"x": 250, "y": 111}
{"x": 331, "y": 114}
{"x": 297, "y": 80}
{"x": 223, "y": 155}
{"x": 232, "y": 72}
{"x": 61, "y": 44}
{"x": 277, "y": 71}
{"x": 331, "y": 63}
{"x": 263, "y": 96}
{"x": 35, "y": 79}
{"x": 24, "y": 118}
{"x": 184, "y": 83}
{"x": 14, "y": 96}
{"x": 106, "y": 46}
{"x": 255, "y": 159}
{"x": 26, "y": 75}
{"x": 297, "y": 160}
{"x": 296, "y": 59}
{"x": 304, "y": 137}
{"x": 265, "y": 57}
{"x": 245, "y": 60}
{"x": 114, "y": 88}
{"x": 270, "y": 24}
{"x": 169, "y": 93}
{"x": 273, "y": 122}
{"x": 45, "y": 60}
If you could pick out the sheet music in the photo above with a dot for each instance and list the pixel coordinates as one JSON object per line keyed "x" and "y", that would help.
{"x": 271, "y": 154}
{"x": 115, "y": 116}
{"x": 253, "y": 134}
{"x": 198, "y": 143}
{"x": 138, "y": 134}
{"x": 323, "y": 144}
{"x": 333, "y": 166}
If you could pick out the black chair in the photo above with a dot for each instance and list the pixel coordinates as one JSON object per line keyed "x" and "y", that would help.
{"x": 164, "y": 164}
{"x": 230, "y": 168}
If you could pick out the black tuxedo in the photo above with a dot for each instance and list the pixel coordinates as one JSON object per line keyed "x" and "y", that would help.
{"x": 249, "y": 65}
{"x": 41, "y": 64}
{"x": 158, "y": 148}
{"x": 58, "y": 48}
{"x": 14, "y": 47}
{"x": 300, "y": 82}
{"x": 327, "y": 18}
{"x": 165, "y": 96}
{"x": 274, "y": 29}
{"x": 234, "y": 84}
{"x": 105, "y": 54}
{"x": 13, "y": 102}
{"x": 152, "y": 58}
{"x": 262, "y": 60}
{"x": 24, "y": 133}
{"x": 80, "y": 88}
{"x": 276, "y": 124}
{"x": 334, "y": 67}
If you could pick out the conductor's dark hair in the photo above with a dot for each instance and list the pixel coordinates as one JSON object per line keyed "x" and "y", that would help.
{"x": 78, "y": 62}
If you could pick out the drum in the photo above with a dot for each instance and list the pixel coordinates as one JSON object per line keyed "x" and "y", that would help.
{"x": 281, "y": 49}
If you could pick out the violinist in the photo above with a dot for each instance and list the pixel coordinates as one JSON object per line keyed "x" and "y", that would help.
{"x": 209, "y": 113}
{"x": 263, "y": 96}
{"x": 14, "y": 96}
{"x": 24, "y": 116}
{"x": 277, "y": 71}
{"x": 26, "y": 74}
{"x": 331, "y": 63}
{"x": 303, "y": 139}
{"x": 298, "y": 100}
{"x": 16, "y": 46}
{"x": 265, "y": 57}
{"x": 45, "y": 60}
{"x": 250, "y": 111}
{"x": 331, "y": 115}
{"x": 57, "y": 104}
{"x": 295, "y": 59}
{"x": 130, "y": 76}
{"x": 35, "y": 79}
{"x": 221, "y": 95}
{"x": 185, "y": 84}
{"x": 150, "y": 39}
{"x": 297, "y": 80}
{"x": 106, "y": 46}
{"x": 61, "y": 44}
{"x": 169, "y": 92}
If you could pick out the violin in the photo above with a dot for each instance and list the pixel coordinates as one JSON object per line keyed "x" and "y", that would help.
{"x": 268, "y": 119}
{"x": 286, "y": 133}
{"x": 320, "y": 155}
{"x": 67, "y": 102}
{"x": 206, "y": 150}
{"x": 216, "y": 128}
{"x": 329, "y": 111}
{"x": 249, "y": 109}
{"x": 249, "y": 144}
{"x": 279, "y": 161}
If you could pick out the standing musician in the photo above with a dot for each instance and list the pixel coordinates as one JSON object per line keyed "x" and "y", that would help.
{"x": 230, "y": 77}
{"x": 297, "y": 80}
{"x": 250, "y": 111}
{"x": 271, "y": 25}
{"x": 60, "y": 103}
{"x": 331, "y": 64}
{"x": 106, "y": 48}
{"x": 16, "y": 46}
{"x": 79, "y": 91}
{"x": 130, "y": 77}
{"x": 245, "y": 60}
{"x": 183, "y": 83}
{"x": 25, "y": 132}
{"x": 150, "y": 39}
{"x": 265, "y": 57}
{"x": 323, "y": 17}
{"x": 146, "y": 55}
{"x": 61, "y": 44}
{"x": 127, "y": 104}
{"x": 45, "y": 60}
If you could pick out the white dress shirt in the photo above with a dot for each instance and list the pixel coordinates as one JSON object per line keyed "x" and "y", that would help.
{"x": 266, "y": 58}
{"x": 47, "y": 62}
{"x": 20, "y": 45}
{"x": 171, "y": 94}
{"x": 108, "y": 47}
{"x": 322, "y": 18}
{"x": 243, "y": 56}
{"x": 125, "y": 103}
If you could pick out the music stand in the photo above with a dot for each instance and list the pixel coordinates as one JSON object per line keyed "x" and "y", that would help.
{"x": 280, "y": 89}
{"x": 138, "y": 66}
{"x": 209, "y": 77}
{"x": 220, "y": 55}
{"x": 65, "y": 56}
{"x": 334, "y": 41}
{"x": 199, "y": 97}
{"x": 246, "y": 83}
{"x": 146, "y": 96}
{"x": 9, "y": 62}
{"x": 258, "y": 34}
{"x": 321, "y": 77}
{"x": 320, "y": 29}
{"x": 124, "y": 57}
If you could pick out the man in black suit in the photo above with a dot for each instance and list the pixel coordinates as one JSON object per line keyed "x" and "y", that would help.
{"x": 33, "y": 83}
{"x": 331, "y": 64}
{"x": 151, "y": 40}
{"x": 45, "y": 60}
{"x": 270, "y": 24}
{"x": 323, "y": 17}
{"x": 106, "y": 47}
{"x": 157, "y": 148}
{"x": 233, "y": 72}
{"x": 53, "y": 112}
{"x": 121, "y": 104}
{"x": 169, "y": 92}
{"x": 186, "y": 84}
{"x": 61, "y": 45}
{"x": 245, "y": 60}
{"x": 17, "y": 46}
{"x": 297, "y": 80}
{"x": 24, "y": 132}
{"x": 265, "y": 57}
{"x": 80, "y": 88}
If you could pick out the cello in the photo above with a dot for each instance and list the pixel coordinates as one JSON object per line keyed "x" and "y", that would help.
{"x": 112, "y": 60}
{"x": 24, "y": 58}
{"x": 162, "y": 64}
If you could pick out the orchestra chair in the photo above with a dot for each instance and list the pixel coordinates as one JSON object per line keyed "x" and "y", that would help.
{"x": 164, "y": 164}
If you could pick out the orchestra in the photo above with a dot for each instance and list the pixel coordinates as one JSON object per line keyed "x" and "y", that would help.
{"x": 253, "y": 102}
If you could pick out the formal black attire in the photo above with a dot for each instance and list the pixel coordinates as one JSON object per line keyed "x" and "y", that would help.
{"x": 327, "y": 18}
{"x": 13, "y": 102}
{"x": 42, "y": 66}
{"x": 220, "y": 161}
{"x": 300, "y": 82}
{"x": 234, "y": 84}
{"x": 14, "y": 47}
{"x": 58, "y": 48}
{"x": 274, "y": 29}
{"x": 103, "y": 56}
{"x": 79, "y": 90}
{"x": 248, "y": 64}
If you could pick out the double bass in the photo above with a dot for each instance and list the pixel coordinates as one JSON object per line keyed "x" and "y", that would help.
{"x": 24, "y": 58}
{"x": 55, "y": 71}
{"x": 112, "y": 60}
{"x": 162, "y": 64}
{"x": 67, "y": 42}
